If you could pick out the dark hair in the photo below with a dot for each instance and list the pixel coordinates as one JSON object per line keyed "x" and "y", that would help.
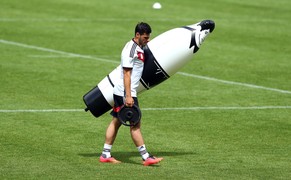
{"x": 142, "y": 28}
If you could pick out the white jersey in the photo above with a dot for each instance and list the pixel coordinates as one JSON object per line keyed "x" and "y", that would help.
{"x": 132, "y": 56}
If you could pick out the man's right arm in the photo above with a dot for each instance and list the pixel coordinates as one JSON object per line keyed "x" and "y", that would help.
{"x": 127, "y": 86}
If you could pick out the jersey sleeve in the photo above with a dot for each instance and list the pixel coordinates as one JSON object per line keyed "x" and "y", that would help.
{"x": 127, "y": 61}
{"x": 130, "y": 53}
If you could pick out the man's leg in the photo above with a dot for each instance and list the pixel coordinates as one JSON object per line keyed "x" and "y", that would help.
{"x": 136, "y": 135}
{"x": 112, "y": 131}
{"x": 110, "y": 136}
{"x": 137, "y": 138}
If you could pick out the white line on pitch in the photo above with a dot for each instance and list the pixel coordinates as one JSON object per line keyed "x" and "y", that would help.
{"x": 52, "y": 56}
{"x": 151, "y": 109}
{"x": 112, "y": 61}
{"x": 234, "y": 83}
{"x": 219, "y": 108}
{"x": 39, "y": 110}
{"x": 64, "y": 56}
{"x": 56, "y": 51}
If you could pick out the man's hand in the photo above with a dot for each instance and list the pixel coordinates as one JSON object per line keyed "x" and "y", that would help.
{"x": 129, "y": 101}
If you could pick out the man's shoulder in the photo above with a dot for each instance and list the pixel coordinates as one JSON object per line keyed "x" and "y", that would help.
{"x": 131, "y": 44}
{"x": 132, "y": 47}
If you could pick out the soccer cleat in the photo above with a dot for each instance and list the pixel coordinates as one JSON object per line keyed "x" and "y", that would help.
{"x": 109, "y": 160}
{"x": 151, "y": 160}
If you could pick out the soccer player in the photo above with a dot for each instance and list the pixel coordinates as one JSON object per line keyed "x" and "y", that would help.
{"x": 125, "y": 93}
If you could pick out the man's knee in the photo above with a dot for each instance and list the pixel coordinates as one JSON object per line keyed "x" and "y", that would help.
{"x": 135, "y": 128}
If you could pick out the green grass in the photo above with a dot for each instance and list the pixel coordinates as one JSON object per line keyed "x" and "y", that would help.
{"x": 250, "y": 45}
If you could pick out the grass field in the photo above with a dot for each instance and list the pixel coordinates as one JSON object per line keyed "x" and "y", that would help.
{"x": 226, "y": 115}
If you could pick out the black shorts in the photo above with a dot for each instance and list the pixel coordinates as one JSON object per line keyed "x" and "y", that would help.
{"x": 118, "y": 103}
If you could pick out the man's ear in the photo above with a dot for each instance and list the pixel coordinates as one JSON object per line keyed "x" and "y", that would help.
{"x": 137, "y": 34}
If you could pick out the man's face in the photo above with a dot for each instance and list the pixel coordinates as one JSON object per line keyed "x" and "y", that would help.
{"x": 143, "y": 39}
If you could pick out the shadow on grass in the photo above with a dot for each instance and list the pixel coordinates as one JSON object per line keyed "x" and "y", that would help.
{"x": 126, "y": 157}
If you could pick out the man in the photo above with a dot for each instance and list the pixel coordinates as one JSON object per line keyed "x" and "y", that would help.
{"x": 125, "y": 93}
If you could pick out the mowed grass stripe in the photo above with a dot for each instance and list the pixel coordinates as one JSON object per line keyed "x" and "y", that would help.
{"x": 112, "y": 61}
{"x": 16, "y": 20}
